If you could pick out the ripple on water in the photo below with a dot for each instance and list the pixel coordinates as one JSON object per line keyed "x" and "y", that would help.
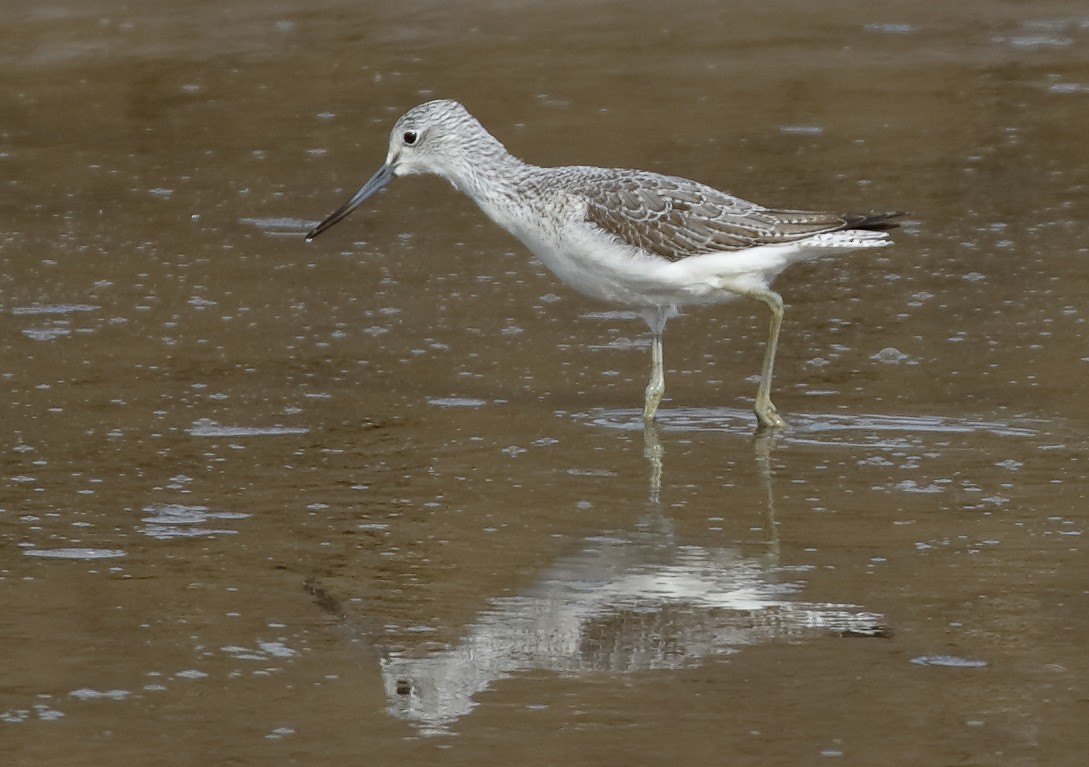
{"x": 176, "y": 520}
{"x": 265, "y": 651}
{"x": 74, "y": 553}
{"x": 890, "y": 28}
{"x": 280, "y": 227}
{"x": 39, "y": 711}
{"x": 950, "y": 661}
{"x": 54, "y": 309}
{"x": 206, "y": 427}
{"x": 56, "y": 328}
{"x": 813, "y": 428}
{"x": 88, "y": 693}
{"x": 46, "y": 334}
{"x": 456, "y": 402}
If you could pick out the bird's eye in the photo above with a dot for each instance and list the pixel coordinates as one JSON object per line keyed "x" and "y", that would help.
{"x": 410, "y": 137}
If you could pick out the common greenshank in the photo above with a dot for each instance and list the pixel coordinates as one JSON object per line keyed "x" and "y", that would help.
{"x": 644, "y": 241}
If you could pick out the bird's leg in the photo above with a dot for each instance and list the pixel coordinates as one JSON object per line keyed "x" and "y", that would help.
{"x": 766, "y": 413}
{"x": 656, "y": 387}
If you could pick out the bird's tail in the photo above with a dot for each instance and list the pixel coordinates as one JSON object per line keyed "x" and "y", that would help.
{"x": 872, "y": 222}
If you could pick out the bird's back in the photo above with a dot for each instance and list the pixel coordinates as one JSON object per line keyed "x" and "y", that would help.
{"x": 677, "y": 218}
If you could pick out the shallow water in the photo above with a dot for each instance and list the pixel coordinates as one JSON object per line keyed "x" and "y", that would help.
{"x": 386, "y": 497}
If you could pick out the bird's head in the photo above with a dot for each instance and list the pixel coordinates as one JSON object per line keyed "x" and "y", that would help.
{"x": 440, "y": 138}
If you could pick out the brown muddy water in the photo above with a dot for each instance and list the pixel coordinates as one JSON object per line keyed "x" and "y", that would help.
{"x": 385, "y": 499}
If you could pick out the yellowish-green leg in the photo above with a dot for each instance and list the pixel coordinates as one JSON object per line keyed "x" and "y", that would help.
{"x": 766, "y": 413}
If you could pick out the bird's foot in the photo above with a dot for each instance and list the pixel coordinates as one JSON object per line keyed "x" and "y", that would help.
{"x": 769, "y": 417}
{"x": 653, "y": 397}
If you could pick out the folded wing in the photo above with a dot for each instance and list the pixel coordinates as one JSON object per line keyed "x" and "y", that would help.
{"x": 675, "y": 218}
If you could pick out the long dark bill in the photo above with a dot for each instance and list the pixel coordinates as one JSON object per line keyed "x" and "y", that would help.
{"x": 382, "y": 177}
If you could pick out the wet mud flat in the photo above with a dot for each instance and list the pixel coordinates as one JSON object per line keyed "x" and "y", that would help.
{"x": 388, "y": 495}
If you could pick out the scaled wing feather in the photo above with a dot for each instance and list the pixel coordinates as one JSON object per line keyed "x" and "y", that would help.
{"x": 675, "y": 218}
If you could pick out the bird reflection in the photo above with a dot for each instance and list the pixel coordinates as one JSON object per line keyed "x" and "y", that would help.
{"x": 624, "y": 603}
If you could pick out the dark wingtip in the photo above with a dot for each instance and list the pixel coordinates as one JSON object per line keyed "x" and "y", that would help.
{"x": 874, "y": 222}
